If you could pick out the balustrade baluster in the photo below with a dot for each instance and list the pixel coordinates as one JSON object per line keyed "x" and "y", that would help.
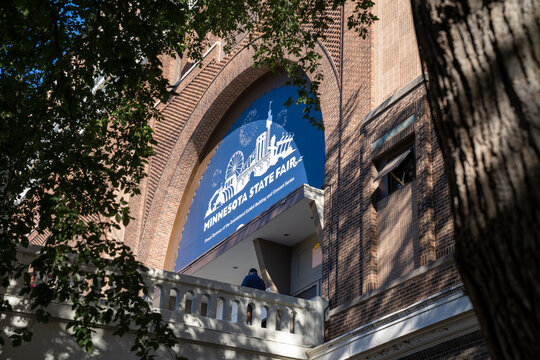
{"x": 196, "y": 304}
{"x": 212, "y": 305}
{"x": 223, "y": 309}
{"x": 180, "y": 298}
{"x": 257, "y": 314}
{"x": 235, "y": 310}
{"x": 271, "y": 318}
{"x": 285, "y": 319}
{"x": 242, "y": 311}
{"x": 164, "y": 296}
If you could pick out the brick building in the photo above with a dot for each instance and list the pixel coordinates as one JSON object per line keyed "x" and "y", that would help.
{"x": 380, "y": 242}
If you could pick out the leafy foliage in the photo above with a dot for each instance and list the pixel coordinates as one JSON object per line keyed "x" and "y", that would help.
{"x": 78, "y": 80}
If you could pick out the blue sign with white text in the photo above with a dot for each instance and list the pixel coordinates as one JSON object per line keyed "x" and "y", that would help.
{"x": 269, "y": 152}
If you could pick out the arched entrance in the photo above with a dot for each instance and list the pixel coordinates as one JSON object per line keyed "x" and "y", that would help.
{"x": 256, "y": 201}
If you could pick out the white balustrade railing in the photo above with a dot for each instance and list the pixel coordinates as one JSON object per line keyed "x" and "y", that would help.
{"x": 195, "y": 303}
{"x": 232, "y": 304}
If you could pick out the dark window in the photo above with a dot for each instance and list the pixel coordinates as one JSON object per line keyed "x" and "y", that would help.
{"x": 402, "y": 174}
{"x": 308, "y": 294}
{"x": 394, "y": 172}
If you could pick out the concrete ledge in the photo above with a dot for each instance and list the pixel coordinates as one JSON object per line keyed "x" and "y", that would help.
{"x": 429, "y": 322}
{"x": 393, "y": 99}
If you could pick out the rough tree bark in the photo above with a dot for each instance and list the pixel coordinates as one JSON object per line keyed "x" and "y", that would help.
{"x": 481, "y": 61}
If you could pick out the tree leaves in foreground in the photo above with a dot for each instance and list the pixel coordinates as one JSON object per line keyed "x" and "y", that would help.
{"x": 78, "y": 81}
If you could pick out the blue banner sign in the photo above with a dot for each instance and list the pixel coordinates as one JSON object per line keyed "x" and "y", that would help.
{"x": 269, "y": 152}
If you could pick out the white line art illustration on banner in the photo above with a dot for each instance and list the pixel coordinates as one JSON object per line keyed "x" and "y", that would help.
{"x": 238, "y": 172}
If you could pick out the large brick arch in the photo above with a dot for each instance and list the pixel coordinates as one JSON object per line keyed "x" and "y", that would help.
{"x": 160, "y": 233}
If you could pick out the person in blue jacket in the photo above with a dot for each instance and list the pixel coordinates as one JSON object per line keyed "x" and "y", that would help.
{"x": 252, "y": 280}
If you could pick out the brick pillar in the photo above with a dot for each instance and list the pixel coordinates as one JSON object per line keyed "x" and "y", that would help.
{"x": 424, "y": 176}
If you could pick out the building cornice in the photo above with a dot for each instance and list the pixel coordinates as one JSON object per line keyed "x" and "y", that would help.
{"x": 388, "y": 103}
{"x": 431, "y": 321}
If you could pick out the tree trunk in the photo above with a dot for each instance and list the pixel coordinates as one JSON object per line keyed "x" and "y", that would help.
{"x": 481, "y": 62}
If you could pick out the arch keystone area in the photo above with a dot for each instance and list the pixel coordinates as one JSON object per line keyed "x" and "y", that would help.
{"x": 160, "y": 234}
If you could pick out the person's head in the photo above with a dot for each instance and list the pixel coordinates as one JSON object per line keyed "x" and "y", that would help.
{"x": 252, "y": 271}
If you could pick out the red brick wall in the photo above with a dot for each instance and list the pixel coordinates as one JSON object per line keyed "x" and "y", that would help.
{"x": 442, "y": 212}
{"x": 352, "y": 270}
{"x": 396, "y": 60}
{"x": 393, "y": 299}
{"x": 343, "y": 194}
